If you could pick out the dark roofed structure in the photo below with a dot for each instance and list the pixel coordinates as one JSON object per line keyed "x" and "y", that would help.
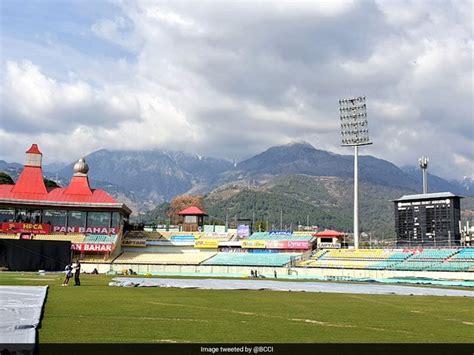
{"x": 428, "y": 220}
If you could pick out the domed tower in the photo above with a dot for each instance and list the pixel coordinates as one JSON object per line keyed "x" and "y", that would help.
{"x": 81, "y": 168}
{"x": 79, "y": 184}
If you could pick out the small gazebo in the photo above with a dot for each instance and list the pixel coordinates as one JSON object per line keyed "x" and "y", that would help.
{"x": 193, "y": 219}
{"x": 329, "y": 236}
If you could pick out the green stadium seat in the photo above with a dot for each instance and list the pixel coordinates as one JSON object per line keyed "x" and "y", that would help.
{"x": 251, "y": 259}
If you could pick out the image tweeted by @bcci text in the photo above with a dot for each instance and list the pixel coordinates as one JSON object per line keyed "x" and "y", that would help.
{"x": 237, "y": 349}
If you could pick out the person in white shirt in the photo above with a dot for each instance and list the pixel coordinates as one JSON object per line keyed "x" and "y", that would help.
{"x": 68, "y": 272}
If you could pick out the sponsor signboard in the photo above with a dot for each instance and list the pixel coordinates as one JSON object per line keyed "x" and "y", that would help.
{"x": 329, "y": 245}
{"x": 233, "y": 243}
{"x": 182, "y": 238}
{"x": 97, "y": 247}
{"x": 413, "y": 250}
{"x": 34, "y": 228}
{"x": 277, "y": 244}
{"x": 264, "y": 251}
{"x": 288, "y": 244}
{"x": 134, "y": 243}
{"x": 280, "y": 232}
{"x": 243, "y": 230}
{"x": 88, "y": 230}
{"x": 298, "y": 244}
{"x": 208, "y": 228}
{"x": 260, "y": 244}
{"x": 206, "y": 244}
{"x": 217, "y": 235}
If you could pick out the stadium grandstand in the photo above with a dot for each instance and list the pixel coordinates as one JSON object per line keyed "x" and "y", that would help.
{"x": 171, "y": 258}
{"x": 90, "y": 219}
{"x": 405, "y": 260}
{"x": 252, "y": 259}
{"x": 95, "y": 226}
{"x": 298, "y": 253}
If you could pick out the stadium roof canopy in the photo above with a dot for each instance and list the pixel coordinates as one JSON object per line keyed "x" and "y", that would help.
{"x": 30, "y": 189}
{"x": 427, "y": 196}
{"x": 192, "y": 211}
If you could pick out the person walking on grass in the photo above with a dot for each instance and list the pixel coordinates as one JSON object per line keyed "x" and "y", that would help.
{"x": 68, "y": 272}
{"x": 77, "y": 274}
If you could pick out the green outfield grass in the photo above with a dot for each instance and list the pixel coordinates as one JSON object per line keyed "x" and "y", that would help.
{"x": 96, "y": 312}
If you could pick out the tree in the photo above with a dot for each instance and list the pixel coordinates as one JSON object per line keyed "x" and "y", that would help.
{"x": 180, "y": 203}
{"x": 6, "y": 179}
{"x": 260, "y": 226}
{"x": 50, "y": 183}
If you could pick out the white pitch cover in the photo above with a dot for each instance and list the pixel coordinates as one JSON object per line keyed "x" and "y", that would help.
{"x": 20, "y": 313}
{"x": 331, "y": 287}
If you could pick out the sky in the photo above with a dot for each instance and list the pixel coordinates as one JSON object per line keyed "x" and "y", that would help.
{"x": 229, "y": 79}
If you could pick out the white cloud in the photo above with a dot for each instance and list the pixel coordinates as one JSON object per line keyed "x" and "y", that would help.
{"x": 319, "y": 7}
{"x": 119, "y": 31}
{"x": 228, "y": 79}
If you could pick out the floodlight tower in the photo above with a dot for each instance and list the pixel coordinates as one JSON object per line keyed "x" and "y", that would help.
{"x": 423, "y": 161}
{"x": 354, "y": 132}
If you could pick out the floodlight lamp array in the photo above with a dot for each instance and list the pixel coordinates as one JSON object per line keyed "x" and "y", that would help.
{"x": 354, "y": 125}
{"x": 352, "y": 100}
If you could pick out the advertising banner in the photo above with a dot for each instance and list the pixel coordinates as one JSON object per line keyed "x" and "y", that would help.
{"x": 182, "y": 238}
{"x": 264, "y": 251}
{"x": 329, "y": 245}
{"x": 88, "y": 230}
{"x": 298, "y": 244}
{"x": 217, "y": 235}
{"x": 280, "y": 232}
{"x": 413, "y": 250}
{"x": 210, "y": 228}
{"x": 277, "y": 244}
{"x": 243, "y": 230}
{"x": 34, "y": 228}
{"x": 288, "y": 244}
{"x": 97, "y": 247}
{"x": 206, "y": 244}
{"x": 134, "y": 243}
{"x": 254, "y": 244}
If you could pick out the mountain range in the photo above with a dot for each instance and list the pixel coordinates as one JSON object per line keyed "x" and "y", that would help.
{"x": 317, "y": 183}
{"x": 157, "y": 176}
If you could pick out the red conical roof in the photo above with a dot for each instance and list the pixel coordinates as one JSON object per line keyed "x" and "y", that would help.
{"x": 34, "y": 149}
{"x": 192, "y": 211}
{"x": 79, "y": 185}
{"x": 30, "y": 181}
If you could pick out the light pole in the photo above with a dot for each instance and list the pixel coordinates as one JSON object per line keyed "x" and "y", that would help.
{"x": 354, "y": 132}
{"x": 281, "y": 219}
{"x": 423, "y": 162}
